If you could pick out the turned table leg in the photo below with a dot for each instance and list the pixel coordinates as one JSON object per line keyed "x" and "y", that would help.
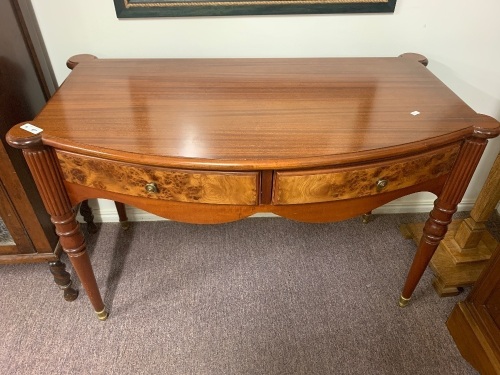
{"x": 86, "y": 213}
{"x": 73, "y": 244}
{"x": 444, "y": 207}
{"x": 88, "y": 217}
{"x": 434, "y": 230}
{"x": 43, "y": 165}
{"x": 122, "y": 214}
{"x": 63, "y": 279}
{"x": 366, "y": 218}
{"x": 467, "y": 247}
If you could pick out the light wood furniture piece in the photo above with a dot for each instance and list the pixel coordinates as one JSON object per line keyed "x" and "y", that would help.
{"x": 26, "y": 83}
{"x": 465, "y": 250}
{"x": 475, "y": 323}
{"x": 217, "y": 140}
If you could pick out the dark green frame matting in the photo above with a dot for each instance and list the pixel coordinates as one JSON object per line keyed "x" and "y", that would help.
{"x": 188, "y": 8}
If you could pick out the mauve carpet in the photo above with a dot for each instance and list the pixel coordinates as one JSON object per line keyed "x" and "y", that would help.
{"x": 259, "y": 296}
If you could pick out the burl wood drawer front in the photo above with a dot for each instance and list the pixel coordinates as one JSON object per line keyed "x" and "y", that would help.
{"x": 327, "y": 185}
{"x": 235, "y": 188}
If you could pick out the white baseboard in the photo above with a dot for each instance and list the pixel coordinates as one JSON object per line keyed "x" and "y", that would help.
{"x": 107, "y": 213}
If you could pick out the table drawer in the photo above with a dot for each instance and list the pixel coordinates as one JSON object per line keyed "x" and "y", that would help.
{"x": 235, "y": 188}
{"x": 325, "y": 185}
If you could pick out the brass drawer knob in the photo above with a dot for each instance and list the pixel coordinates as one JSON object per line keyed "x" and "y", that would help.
{"x": 151, "y": 188}
{"x": 381, "y": 184}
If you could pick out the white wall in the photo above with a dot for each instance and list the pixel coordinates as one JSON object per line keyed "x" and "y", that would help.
{"x": 460, "y": 38}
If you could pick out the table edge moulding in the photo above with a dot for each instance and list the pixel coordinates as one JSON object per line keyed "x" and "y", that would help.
{"x": 217, "y": 140}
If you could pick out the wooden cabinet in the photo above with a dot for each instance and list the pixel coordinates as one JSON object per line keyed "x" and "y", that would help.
{"x": 26, "y": 84}
{"x": 475, "y": 322}
{"x": 25, "y": 239}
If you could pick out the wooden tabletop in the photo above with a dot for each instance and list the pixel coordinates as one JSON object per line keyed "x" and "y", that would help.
{"x": 253, "y": 113}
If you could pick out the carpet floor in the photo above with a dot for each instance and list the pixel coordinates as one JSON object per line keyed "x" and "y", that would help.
{"x": 259, "y": 296}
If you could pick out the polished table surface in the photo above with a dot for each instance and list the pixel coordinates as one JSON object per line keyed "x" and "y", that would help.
{"x": 215, "y": 140}
{"x": 253, "y": 113}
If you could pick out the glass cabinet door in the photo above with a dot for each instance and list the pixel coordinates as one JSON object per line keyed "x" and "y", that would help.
{"x": 5, "y": 237}
{"x": 13, "y": 237}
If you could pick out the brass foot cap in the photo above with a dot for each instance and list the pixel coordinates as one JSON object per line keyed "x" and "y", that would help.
{"x": 403, "y": 301}
{"x": 102, "y": 315}
{"x": 125, "y": 225}
{"x": 366, "y": 218}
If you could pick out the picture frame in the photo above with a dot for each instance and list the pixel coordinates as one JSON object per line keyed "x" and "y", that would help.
{"x": 190, "y": 8}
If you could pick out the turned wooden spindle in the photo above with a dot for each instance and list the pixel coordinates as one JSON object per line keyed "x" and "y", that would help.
{"x": 444, "y": 207}
{"x": 63, "y": 279}
{"x": 465, "y": 250}
{"x": 471, "y": 230}
{"x": 43, "y": 165}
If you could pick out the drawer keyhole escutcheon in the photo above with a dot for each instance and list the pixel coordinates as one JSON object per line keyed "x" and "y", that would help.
{"x": 151, "y": 188}
{"x": 381, "y": 184}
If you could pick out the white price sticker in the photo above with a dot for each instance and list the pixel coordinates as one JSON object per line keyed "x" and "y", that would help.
{"x": 31, "y": 128}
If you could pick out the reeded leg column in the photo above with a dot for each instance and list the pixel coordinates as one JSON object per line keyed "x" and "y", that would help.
{"x": 444, "y": 207}
{"x": 63, "y": 279}
{"x": 44, "y": 167}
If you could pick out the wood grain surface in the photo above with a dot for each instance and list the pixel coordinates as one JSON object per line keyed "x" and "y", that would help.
{"x": 203, "y": 213}
{"x": 253, "y": 114}
{"x": 335, "y": 184}
{"x": 175, "y": 185}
